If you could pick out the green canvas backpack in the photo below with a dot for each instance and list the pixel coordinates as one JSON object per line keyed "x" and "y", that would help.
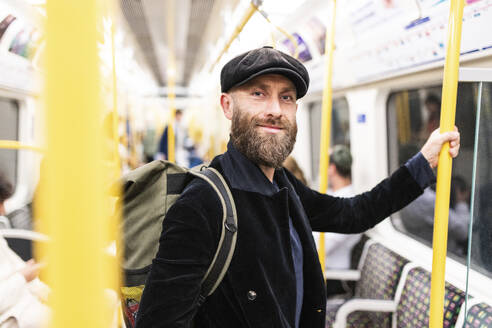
{"x": 147, "y": 194}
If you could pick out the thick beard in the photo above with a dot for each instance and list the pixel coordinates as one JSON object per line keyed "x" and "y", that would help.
{"x": 263, "y": 149}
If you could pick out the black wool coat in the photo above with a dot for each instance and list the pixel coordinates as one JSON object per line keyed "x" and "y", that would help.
{"x": 259, "y": 288}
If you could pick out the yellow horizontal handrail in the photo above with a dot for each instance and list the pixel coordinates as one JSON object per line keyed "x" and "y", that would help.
{"x": 284, "y": 32}
{"x": 13, "y": 144}
{"x": 249, "y": 13}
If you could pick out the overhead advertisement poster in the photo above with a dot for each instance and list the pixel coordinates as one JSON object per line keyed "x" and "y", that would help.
{"x": 304, "y": 53}
{"x": 25, "y": 43}
{"x": 402, "y": 41}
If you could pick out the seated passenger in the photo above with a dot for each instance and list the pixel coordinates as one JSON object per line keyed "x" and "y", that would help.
{"x": 21, "y": 293}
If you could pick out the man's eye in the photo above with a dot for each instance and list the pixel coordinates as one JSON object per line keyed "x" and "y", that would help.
{"x": 289, "y": 98}
{"x": 257, "y": 93}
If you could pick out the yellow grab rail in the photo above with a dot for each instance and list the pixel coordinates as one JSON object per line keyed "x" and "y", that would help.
{"x": 171, "y": 147}
{"x": 115, "y": 222}
{"x": 171, "y": 82}
{"x": 326, "y": 121}
{"x": 249, "y": 13}
{"x": 284, "y": 32}
{"x": 13, "y": 144}
{"x": 116, "y": 137}
{"x": 73, "y": 199}
{"x": 441, "y": 214}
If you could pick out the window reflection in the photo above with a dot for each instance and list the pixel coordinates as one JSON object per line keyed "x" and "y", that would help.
{"x": 412, "y": 116}
{"x": 481, "y": 250}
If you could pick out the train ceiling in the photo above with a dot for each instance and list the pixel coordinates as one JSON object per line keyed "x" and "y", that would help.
{"x": 151, "y": 22}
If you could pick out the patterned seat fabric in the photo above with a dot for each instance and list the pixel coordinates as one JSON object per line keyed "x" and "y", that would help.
{"x": 413, "y": 309}
{"x": 380, "y": 273}
{"x": 379, "y": 279}
{"x": 479, "y": 316}
{"x": 362, "y": 319}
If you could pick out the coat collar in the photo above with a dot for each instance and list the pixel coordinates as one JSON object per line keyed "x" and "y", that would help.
{"x": 245, "y": 175}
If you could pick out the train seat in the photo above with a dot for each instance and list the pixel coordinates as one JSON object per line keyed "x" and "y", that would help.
{"x": 414, "y": 302}
{"x": 410, "y": 307}
{"x": 479, "y": 315}
{"x": 379, "y": 277}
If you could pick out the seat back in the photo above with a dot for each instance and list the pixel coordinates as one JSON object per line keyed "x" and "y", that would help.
{"x": 479, "y": 315}
{"x": 414, "y": 304}
{"x": 356, "y": 254}
{"x": 380, "y": 273}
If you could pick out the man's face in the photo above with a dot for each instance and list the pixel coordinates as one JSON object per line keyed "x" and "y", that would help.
{"x": 264, "y": 125}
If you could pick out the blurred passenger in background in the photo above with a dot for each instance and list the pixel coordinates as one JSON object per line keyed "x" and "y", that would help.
{"x": 338, "y": 247}
{"x": 181, "y": 142}
{"x": 194, "y": 158}
{"x": 418, "y": 216}
{"x": 291, "y": 165}
{"x": 149, "y": 144}
{"x": 21, "y": 293}
{"x": 433, "y": 109}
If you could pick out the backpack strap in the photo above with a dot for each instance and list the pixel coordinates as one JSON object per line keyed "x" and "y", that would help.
{"x": 227, "y": 242}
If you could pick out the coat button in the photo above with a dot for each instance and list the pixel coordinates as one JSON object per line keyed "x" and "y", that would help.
{"x": 251, "y": 295}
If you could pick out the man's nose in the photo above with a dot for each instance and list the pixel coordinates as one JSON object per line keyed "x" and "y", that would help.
{"x": 274, "y": 108}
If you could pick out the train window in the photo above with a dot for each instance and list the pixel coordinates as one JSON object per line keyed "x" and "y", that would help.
{"x": 9, "y": 123}
{"x": 481, "y": 249}
{"x": 340, "y": 128}
{"x": 412, "y": 115}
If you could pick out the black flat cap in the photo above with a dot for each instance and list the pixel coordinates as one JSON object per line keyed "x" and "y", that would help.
{"x": 266, "y": 60}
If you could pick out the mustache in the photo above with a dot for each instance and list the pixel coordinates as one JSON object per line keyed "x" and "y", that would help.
{"x": 279, "y": 122}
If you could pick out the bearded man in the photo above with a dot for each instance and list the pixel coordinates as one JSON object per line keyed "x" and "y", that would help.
{"x": 274, "y": 278}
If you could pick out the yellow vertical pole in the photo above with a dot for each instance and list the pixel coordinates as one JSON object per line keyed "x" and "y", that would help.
{"x": 114, "y": 227}
{"x": 171, "y": 87}
{"x": 116, "y": 137}
{"x": 441, "y": 214}
{"x": 171, "y": 80}
{"x": 73, "y": 189}
{"x": 326, "y": 120}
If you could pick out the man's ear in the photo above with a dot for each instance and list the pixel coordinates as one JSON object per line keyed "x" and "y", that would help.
{"x": 226, "y": 102}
